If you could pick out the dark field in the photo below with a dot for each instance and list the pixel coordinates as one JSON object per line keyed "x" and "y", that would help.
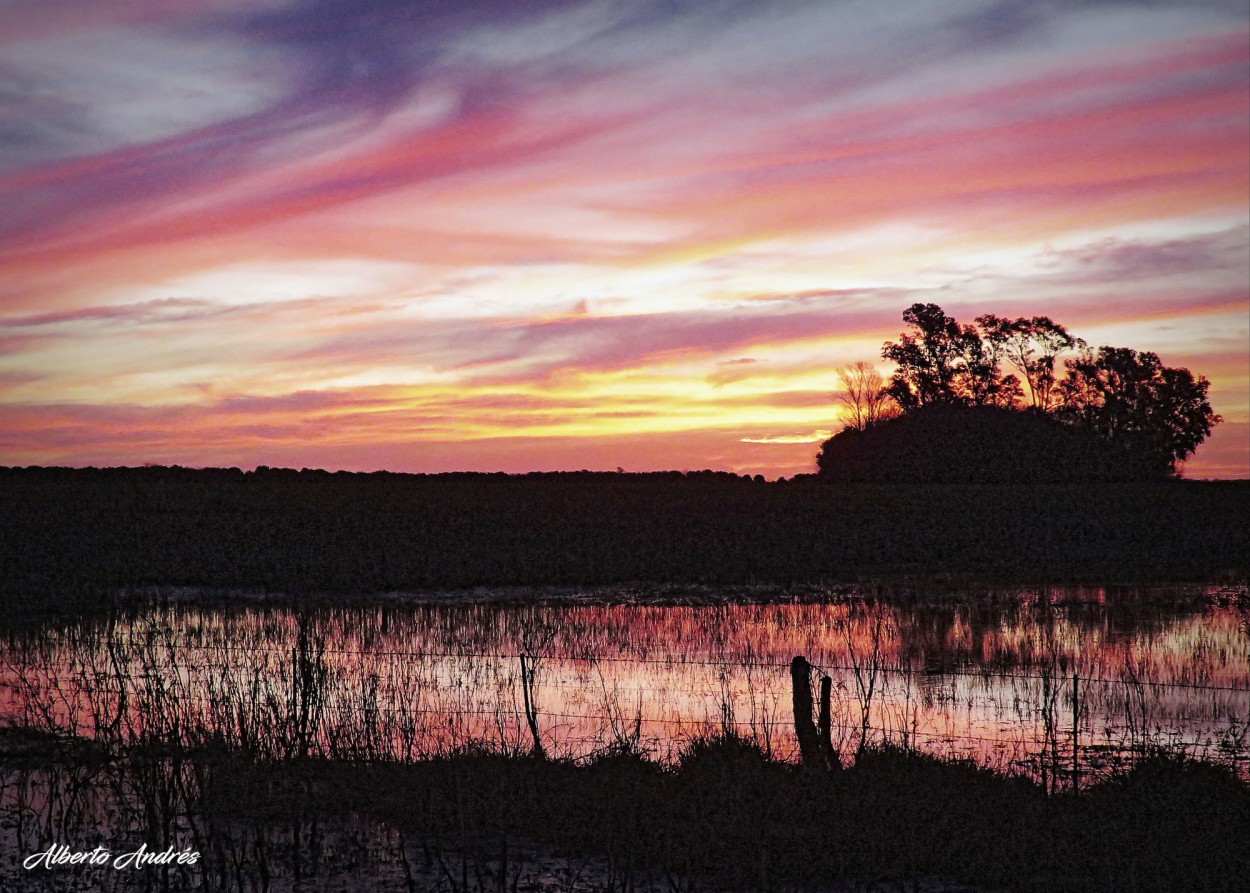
{"x": 69, "y": 535}
{"x": 722, "y": 813}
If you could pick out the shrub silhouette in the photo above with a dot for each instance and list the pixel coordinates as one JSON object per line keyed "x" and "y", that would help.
{"x": 955, "y": 444}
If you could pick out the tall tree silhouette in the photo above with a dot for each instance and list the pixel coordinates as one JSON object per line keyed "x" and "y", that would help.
{"x": 943, "y": 362}
{"x": 1160, "y": 413}
{"x": 926, "y": 357}
{"x": 1032, "y": 345}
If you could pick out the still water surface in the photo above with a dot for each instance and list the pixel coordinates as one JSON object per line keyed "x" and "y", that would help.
{"x": 986, "y": 675}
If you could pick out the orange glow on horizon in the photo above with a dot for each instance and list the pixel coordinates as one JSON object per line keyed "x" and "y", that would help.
{"x": 511, "y": 260}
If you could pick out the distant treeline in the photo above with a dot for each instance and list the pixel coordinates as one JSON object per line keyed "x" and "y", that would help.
{"x": 79, "y": 533}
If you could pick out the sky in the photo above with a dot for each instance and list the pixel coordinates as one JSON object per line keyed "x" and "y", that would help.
{"x": 447, "y": 235}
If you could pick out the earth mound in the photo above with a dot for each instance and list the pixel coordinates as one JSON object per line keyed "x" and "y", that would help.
{"x": 974, "y": 445}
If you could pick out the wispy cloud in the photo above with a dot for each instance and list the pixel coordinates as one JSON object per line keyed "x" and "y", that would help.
{"x": 351, "y": 232}
{"x": 812, "y": 437}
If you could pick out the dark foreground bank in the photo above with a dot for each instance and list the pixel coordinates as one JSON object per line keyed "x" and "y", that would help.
{"x": 66, "y": 531}
{"x": 728, "y": 818}
{"x": 725, "y": 818}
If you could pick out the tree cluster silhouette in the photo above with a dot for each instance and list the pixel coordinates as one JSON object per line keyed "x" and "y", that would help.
{"x": 985, "y": 402}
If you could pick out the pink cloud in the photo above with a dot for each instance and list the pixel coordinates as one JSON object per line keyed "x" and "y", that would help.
{"x": 571, "y": 161}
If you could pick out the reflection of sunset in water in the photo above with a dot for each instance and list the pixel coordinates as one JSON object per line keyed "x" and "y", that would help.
{"x": 989, "y": 677}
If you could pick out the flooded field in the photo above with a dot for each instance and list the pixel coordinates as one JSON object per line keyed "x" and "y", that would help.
{"x": 1053, "y": 684}
{"x": 298, "y": 748}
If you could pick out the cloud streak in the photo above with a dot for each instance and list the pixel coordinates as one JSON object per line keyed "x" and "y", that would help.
{"x": 325, "y": 225}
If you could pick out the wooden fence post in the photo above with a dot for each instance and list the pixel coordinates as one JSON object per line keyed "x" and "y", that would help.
{"x": 825, "y": 725}
{"x": 804, "y": 728}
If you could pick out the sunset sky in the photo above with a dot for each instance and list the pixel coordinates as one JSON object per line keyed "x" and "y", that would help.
{"x": 510, "y": 236}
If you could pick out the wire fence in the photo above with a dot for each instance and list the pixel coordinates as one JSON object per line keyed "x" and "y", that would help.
{"x": 826, "y": 668}
{"x": 165, "y": 679}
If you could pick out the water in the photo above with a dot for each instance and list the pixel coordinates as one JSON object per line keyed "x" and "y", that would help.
{"x": 987, "y": 675}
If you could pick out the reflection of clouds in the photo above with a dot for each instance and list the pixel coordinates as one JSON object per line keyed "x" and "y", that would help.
{"x": 449, "y": 672}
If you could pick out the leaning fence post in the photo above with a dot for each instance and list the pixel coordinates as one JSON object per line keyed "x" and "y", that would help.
{"x": 804, "y": 728}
